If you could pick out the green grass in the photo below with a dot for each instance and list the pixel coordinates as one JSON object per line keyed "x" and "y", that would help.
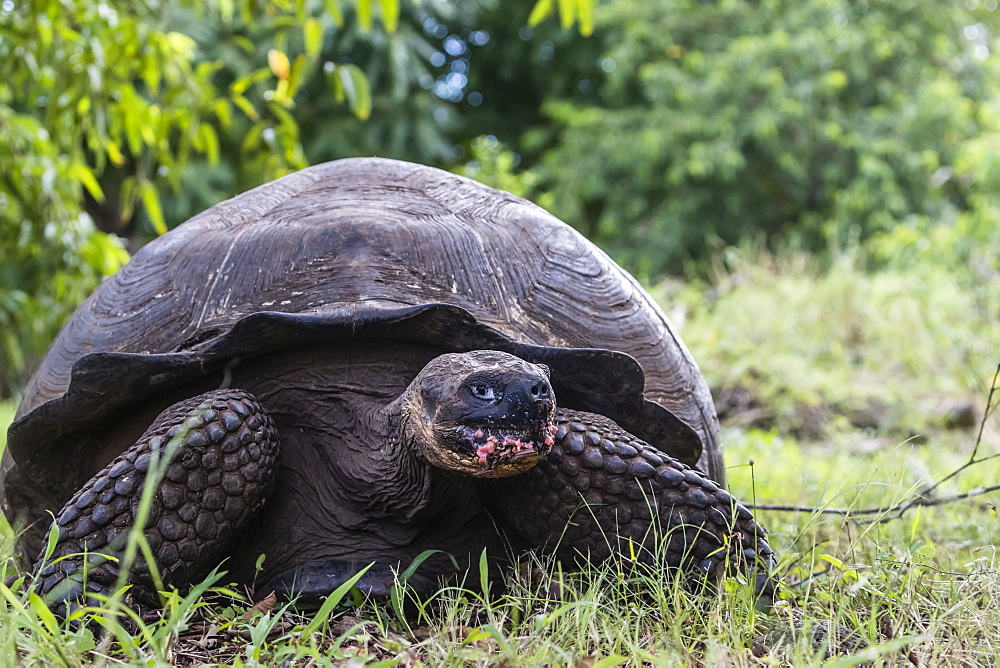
{"x": 801, "y": 354}
{"x": 7, "y": 409}
{"x": 804, "y": 350}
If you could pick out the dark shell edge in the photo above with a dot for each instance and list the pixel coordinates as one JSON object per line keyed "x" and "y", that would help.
{"x": 600, "y": 381}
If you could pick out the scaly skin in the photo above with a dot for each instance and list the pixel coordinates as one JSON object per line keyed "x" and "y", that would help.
{"x": 596, "y": 495}
{"x": 600, "y": 492}
{"x": 222, "y": 470}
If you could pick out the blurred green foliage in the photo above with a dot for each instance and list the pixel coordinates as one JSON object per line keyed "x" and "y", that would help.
{"x": 89, "y": 90}
{"x": 809, "y": 349}
{"x": 671, "y": 130}
{"x": 819, "y": 122}
{"x": 494, "y": 164}
{"x": 118, "y": 121}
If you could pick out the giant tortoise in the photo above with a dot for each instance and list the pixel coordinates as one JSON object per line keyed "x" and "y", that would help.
{"x": 358, "y": 363}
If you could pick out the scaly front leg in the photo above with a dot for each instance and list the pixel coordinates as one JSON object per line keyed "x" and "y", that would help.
{"x": 223, "y": 446}
{"x": 602, "y": 492}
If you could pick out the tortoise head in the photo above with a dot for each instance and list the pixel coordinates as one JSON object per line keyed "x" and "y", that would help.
{"x": 483, "y": 413}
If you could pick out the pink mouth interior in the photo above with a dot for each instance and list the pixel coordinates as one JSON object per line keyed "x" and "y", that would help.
{"x": 508, "y": 447}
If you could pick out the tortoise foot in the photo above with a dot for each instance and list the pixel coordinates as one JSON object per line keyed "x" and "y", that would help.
{"x": 213, "y": 457}
{"x": 603, "y": 493}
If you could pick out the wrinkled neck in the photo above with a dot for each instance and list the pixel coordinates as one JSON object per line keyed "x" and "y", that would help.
{"x": 416, "y": 489}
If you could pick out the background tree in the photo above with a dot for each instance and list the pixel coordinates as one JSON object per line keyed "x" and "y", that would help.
{"x": 118, "y": 121}
{"x": 812, "y": 121}
{"x": 675, "y": 129}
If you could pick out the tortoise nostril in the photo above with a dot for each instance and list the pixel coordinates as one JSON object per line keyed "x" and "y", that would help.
{"x": 540, "y": 390}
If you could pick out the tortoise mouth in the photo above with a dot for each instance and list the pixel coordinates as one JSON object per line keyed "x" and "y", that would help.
{"x": 498, "y": 450}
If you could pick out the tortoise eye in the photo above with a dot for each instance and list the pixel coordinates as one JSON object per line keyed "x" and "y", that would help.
{"x": 484, "y": 392}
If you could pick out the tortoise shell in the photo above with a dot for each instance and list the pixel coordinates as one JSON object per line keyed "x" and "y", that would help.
{"x": 355, "y": 248}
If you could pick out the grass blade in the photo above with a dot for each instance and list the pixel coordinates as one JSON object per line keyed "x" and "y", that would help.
{"x": 333, "y": 600}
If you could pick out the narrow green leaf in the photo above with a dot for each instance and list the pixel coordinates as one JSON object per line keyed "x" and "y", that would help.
{"x": 498, "y": 635}
{"x": 296, "y": 74}
{"x": 131, "y": 104}
{"x": 586, "y": 16}
{"x": 484, "y": 574}
{"x": 197, "y": 591}
{"x": 390, "y": 14}
{"x": 312, "y": 33}
{"x": 829, "y": 558}
{"x": 209, "y": 141}
{"x": 43, "y": 612}
{"x": 475, "y": 635}
{"x": 86, "y": 177}
{"x": 240, "y": 86}
{"x": 151, "y": 200}
{"x": 333, "y": 9}
{"x": 355, "y": 86}
{"x": 399, "y": 586}
{"x": 560, "y": 611}
{"x": 224, "y": 112}
{"x": 129, "y": 195}
{"x": 181, "y": 44}
{"x": 420, "y": 559}
{"x": 287, "y": 127}
{"x": 246, "y": 107}
{"x": 114, "y": 153}
{"x": 365, "y": 14}
{"x": 151, "y": 124}
{"x": 12, "y": 600}
{"x": 45, "y": 32}
{"x": 541, "y": 10}
{"x": 245, "y": 44}
{"x": 336, "y": 86}
{"x": 333, "y": 600}
{"x": 152, "y": 74}
{"x": 53, "y": 538}
{"x": 567, "y": 12}
{"x": 252, "y": 138}
{"x": 608, "y": 661}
